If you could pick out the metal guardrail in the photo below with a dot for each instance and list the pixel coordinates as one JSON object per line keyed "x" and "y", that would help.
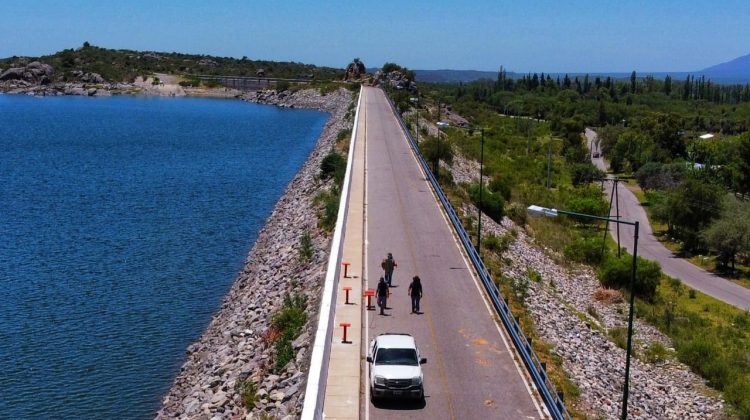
{"x": 315, "y": 389}
{"x": 552, "y": 399}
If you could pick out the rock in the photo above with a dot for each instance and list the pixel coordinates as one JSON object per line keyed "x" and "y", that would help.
{"x": 300, "y": 341}
{"x": 277, "y": 395}
{"x": 192, "y": 407}
{"x": 290, "y": 392}
{"x": 355, "y": 70}
{"x": 34, "y": 72}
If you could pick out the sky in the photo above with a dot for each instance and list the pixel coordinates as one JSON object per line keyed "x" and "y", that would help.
{"x": 522, "y": 36}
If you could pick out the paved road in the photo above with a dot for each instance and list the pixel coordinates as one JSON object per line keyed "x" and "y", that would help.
{"x": 470, "y": 372}
{"x": 649, "y": 247}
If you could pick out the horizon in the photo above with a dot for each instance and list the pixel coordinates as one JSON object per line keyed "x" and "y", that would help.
{"x": 583, "y": 37}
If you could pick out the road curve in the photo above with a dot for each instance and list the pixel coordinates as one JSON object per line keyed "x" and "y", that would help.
{"x": 471, "y": 372}
{"x": 650, "y": 248}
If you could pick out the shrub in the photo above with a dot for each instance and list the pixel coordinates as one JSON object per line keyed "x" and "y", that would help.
{"x": 498, "y": 244}
{"x": 517, "y": 213}
{"x": 500, "y": 185}
{"x": 492, "y": 204}
{"x": 333, "y": 166}
{"x": 616, "y": 272}
{"x": 585, "y": 250}
{"x": 289, "y": 320}
{"x": 655, "y": 352}
{"x": 306, "y": 249}
{"x": 329, "y": 213}
{"x": 248, "y": 391}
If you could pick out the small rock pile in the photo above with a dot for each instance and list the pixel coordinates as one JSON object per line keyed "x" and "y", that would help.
{"x": 561, "y": 305}
{"x": 235, "y": 348}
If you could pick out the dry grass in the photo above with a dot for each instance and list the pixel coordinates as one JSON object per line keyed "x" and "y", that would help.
{"x": 608, "y": 295}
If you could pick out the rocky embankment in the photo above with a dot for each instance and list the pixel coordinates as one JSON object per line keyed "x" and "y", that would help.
{"x": 235, "y": 347}
{"x": 572, "y": 312}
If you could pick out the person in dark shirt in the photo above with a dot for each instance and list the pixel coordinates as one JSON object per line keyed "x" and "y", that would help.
{"x": 382, "y": 294}
{"x": 415, "y": 292}
{"x": 388, "y": 265}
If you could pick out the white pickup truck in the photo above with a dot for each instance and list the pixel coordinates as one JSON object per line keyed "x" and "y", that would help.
{"x": 395, "y": 367}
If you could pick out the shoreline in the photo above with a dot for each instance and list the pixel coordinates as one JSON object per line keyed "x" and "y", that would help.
{"x": 235, "y": 346}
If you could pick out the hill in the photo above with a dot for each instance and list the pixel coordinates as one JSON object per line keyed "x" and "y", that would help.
{"x": 125, "y": 65}
{"x": 737, "y": 70}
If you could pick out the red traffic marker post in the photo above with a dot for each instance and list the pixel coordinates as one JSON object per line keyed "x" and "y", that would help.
{"x": 347, "y": 289}
{"x": 345, "y": 325}
{"x": 370, "y": 293}
{"x": 346, "y": 269}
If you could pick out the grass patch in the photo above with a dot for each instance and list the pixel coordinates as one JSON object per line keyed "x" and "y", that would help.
{"x": 248, "y": 391}
{"x": 656, "y": 353}
{"x": 330, "y": 208}
{"x": 306, "y": 249}
{"x": 619, "y": 336}
{"x": 710, "y": 336}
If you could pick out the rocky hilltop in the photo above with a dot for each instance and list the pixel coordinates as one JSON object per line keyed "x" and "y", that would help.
{"x": 235, "y": 349}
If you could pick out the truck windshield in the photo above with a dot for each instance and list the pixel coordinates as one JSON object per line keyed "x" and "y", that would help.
{"x": 397, "y": 357}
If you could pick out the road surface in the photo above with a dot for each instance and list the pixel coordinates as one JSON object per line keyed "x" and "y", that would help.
{"x": 650, "y": 248}
{"x": 471, "y": 372}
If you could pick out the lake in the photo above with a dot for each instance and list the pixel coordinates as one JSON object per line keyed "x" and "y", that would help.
{"x": 123, "y": 222}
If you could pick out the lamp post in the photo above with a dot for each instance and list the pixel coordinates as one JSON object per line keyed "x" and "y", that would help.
{"x": 481, "y": 178}
{"x": 548, "y": 212}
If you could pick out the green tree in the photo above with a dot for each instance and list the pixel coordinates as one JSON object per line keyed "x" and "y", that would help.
{"x": 632, "y": 82}
{"x": 730, "y": 233}
{"x": 740, "y": 165}
{"x": 584, "y": 173}
{"x": 692, "y": 206}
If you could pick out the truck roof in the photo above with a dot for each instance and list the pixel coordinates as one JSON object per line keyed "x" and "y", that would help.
{"x": 396, "y": 341}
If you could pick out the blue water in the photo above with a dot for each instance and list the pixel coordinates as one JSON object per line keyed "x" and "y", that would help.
{"x": 123, "y": 222}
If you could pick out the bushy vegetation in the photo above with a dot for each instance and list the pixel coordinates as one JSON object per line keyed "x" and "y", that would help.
{"x": 330, "y": 201}
{"x": 333, "y": 166}
{"x": 617, "y": 272}
{"x": 306, "y": 249}
{"x": 126, "y": 65}
{"x": 248, "y": 391}
{"x": 709, "y": 336}
{"x": 288, "y": 321}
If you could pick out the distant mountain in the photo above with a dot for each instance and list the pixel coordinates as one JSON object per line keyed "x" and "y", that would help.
{"x": 737, "y": 70}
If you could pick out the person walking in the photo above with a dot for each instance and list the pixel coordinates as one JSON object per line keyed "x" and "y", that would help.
{"x": 388, "y": 265}
{"x": 415, "y": 292}
{"x": 382, "y": 294}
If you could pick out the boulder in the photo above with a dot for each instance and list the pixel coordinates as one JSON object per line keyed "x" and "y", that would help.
{"x": 355, "y": 70}
{"x": 34, "y": 72}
